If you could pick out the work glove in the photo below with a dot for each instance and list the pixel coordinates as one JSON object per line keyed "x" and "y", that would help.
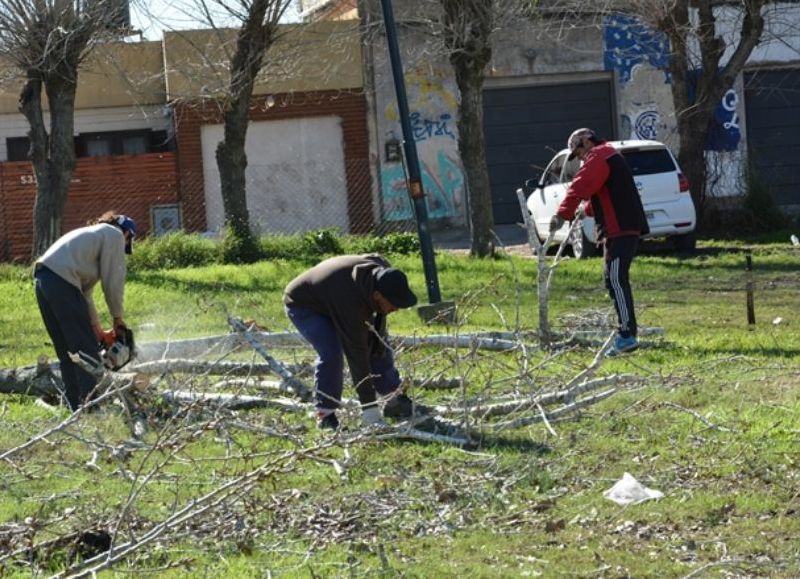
{"x": 108, "y": 337}
{"x": 104, "y": 337}
{"x": 580, "y": 213}
{"x": 372, "y": 416}
{"x": 556, "y": 221}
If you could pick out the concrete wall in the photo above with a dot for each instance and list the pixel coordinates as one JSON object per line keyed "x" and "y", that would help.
{"x": 113, "y": 75}
{"x": 317, "y": 57}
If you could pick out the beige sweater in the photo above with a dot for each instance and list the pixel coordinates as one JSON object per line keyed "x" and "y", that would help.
{"x": 87, "y": 255}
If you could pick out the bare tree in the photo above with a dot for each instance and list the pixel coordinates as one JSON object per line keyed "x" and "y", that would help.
{"x": 244, "y": 30}
{"x": 467, "y": 33}
{"x": 47, "y": 40}
{"x": 697, "y": 44}
{"x": 259, "y": 24}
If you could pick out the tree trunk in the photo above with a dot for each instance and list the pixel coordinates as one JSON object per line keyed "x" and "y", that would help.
{"x": 255, "y": 37}
{"x": 695, "y": 115}
{"x": 232, "y": 163}
{"x": 468, "y": 28}
{"x": 472, "y": 147}
{"x": 52, "y": 156}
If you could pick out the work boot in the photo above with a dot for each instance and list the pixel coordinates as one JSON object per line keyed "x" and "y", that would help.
{"x": 401, "y": 406}
{"x": 327, "y": 421}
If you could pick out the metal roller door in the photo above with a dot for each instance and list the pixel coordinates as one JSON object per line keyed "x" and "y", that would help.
{"x": 772, "y": 109}
{"x": 526, "y": 126}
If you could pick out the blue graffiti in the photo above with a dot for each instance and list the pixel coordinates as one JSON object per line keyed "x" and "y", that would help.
{"x": 424, "y": 129}
{"x": 647, "y": 125}
{"x": 442, "y": 187}
{"x": 724, "y": 133}
{"x": 628, "y": 42}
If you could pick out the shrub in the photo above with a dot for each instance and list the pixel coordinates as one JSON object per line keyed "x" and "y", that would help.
{"x": 181, "y": 249}
{"x": 172, "y": 251}
{"x": 760, "y": 205}
{"x": 402, "y": 243}
{"x": 239, "y": 248}
{"x": 281, "y": 246}
{"x": 322, "y": 242}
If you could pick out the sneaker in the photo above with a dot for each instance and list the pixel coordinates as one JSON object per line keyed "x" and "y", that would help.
{"x": 327, "y": 421}
{"x": 622, "y": 345}
{"x": 401, "y": 406}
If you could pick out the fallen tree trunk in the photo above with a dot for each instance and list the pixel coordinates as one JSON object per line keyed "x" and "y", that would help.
{"x": 230, "y": 401}
{"x": 44, "y": 379}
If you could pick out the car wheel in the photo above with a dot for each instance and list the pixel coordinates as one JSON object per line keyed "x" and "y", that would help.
{"x": 686, "y": 242}
{"x": 580, "y": 245}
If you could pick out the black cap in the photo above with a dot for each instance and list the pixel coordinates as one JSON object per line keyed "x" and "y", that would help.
{"x": 393, "y": 285}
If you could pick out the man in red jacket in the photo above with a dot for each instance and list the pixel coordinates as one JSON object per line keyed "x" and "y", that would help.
{"x": 605, "y": 189}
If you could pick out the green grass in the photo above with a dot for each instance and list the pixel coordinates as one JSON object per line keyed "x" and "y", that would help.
{"x": 714, "y": 426}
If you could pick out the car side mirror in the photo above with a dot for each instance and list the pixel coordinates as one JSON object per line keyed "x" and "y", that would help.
{"x": 531, "y": 185}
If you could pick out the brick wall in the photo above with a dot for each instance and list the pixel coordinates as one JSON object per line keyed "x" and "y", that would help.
{"x": 349, "y": 106}
{"x": 129, "y": 184}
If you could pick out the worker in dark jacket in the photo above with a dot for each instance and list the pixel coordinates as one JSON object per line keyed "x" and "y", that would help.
{"x": 604, "y": 188}
{"x": 340, "y": 306}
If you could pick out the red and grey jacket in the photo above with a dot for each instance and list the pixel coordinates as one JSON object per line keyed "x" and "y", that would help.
{"x": 605, "y": 180}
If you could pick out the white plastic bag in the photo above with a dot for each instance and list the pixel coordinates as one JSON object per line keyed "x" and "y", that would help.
{"x": 629, "y": 491}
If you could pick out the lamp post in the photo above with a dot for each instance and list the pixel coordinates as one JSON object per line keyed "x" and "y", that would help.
{"x": 437, "y": 308}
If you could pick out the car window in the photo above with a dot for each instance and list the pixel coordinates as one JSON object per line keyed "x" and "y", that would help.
{"x": 649, "y": 162}
{"x": 570, "y": 168}
{"x": 552, "y": 174}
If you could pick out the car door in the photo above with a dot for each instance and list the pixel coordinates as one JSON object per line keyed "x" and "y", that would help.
{"x": 541, "y": 201}
{"x": 558, "y": 191}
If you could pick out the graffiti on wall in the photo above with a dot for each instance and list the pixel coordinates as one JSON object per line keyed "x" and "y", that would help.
{"x": 443, "y": 184}
{"x": 725, "y": 134}
{"x": 629, "y": 43}
{"x": 646, "y": 125}
{"x": 425, "y": 129}
{"x": 436, "y": 134}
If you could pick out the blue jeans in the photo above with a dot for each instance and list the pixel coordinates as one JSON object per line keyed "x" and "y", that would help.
{"x": 66, "y": 318}
{"x": 320, "y": 332}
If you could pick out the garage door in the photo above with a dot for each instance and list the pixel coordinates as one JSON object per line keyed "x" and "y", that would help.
{"x": 772, "y": 106}
{"x": 295, "y": 176}
{"x": 526, "y": 126}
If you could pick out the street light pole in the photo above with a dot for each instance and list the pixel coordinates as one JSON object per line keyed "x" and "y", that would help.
{"x": 412, "y": 160}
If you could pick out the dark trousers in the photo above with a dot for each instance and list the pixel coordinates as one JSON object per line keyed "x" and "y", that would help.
{"x": 66, "y": 318}
{"x": 329, "y": 367}
{"x": 618, "y": 255}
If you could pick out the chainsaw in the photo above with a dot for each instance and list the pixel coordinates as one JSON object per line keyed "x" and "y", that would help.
{"x": 120, "y": 352}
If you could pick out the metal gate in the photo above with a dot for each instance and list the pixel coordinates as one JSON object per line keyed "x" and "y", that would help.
{"x": 526, "y": 126}
{"x": 772, "y": 109}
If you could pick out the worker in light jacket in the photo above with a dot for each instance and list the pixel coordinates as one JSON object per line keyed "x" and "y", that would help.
{"x": 64, "y": 279}
{"x": 604, "y": 188}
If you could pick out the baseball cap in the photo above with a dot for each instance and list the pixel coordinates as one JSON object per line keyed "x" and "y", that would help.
{"x": 576, "y": 138}
{"x": 127, "y": 225}
{"x": 393, "y": 284}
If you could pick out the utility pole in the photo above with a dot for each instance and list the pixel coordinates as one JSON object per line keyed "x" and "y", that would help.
{"x": 439, "y": 310}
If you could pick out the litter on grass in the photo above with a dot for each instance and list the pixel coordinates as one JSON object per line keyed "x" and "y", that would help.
{"x": 629, "y": 491}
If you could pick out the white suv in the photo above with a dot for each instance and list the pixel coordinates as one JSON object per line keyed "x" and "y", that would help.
{"x": 663, "y": 188}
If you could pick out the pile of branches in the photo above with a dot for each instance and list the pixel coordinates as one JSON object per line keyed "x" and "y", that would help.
{"x": 178, "y": 392}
